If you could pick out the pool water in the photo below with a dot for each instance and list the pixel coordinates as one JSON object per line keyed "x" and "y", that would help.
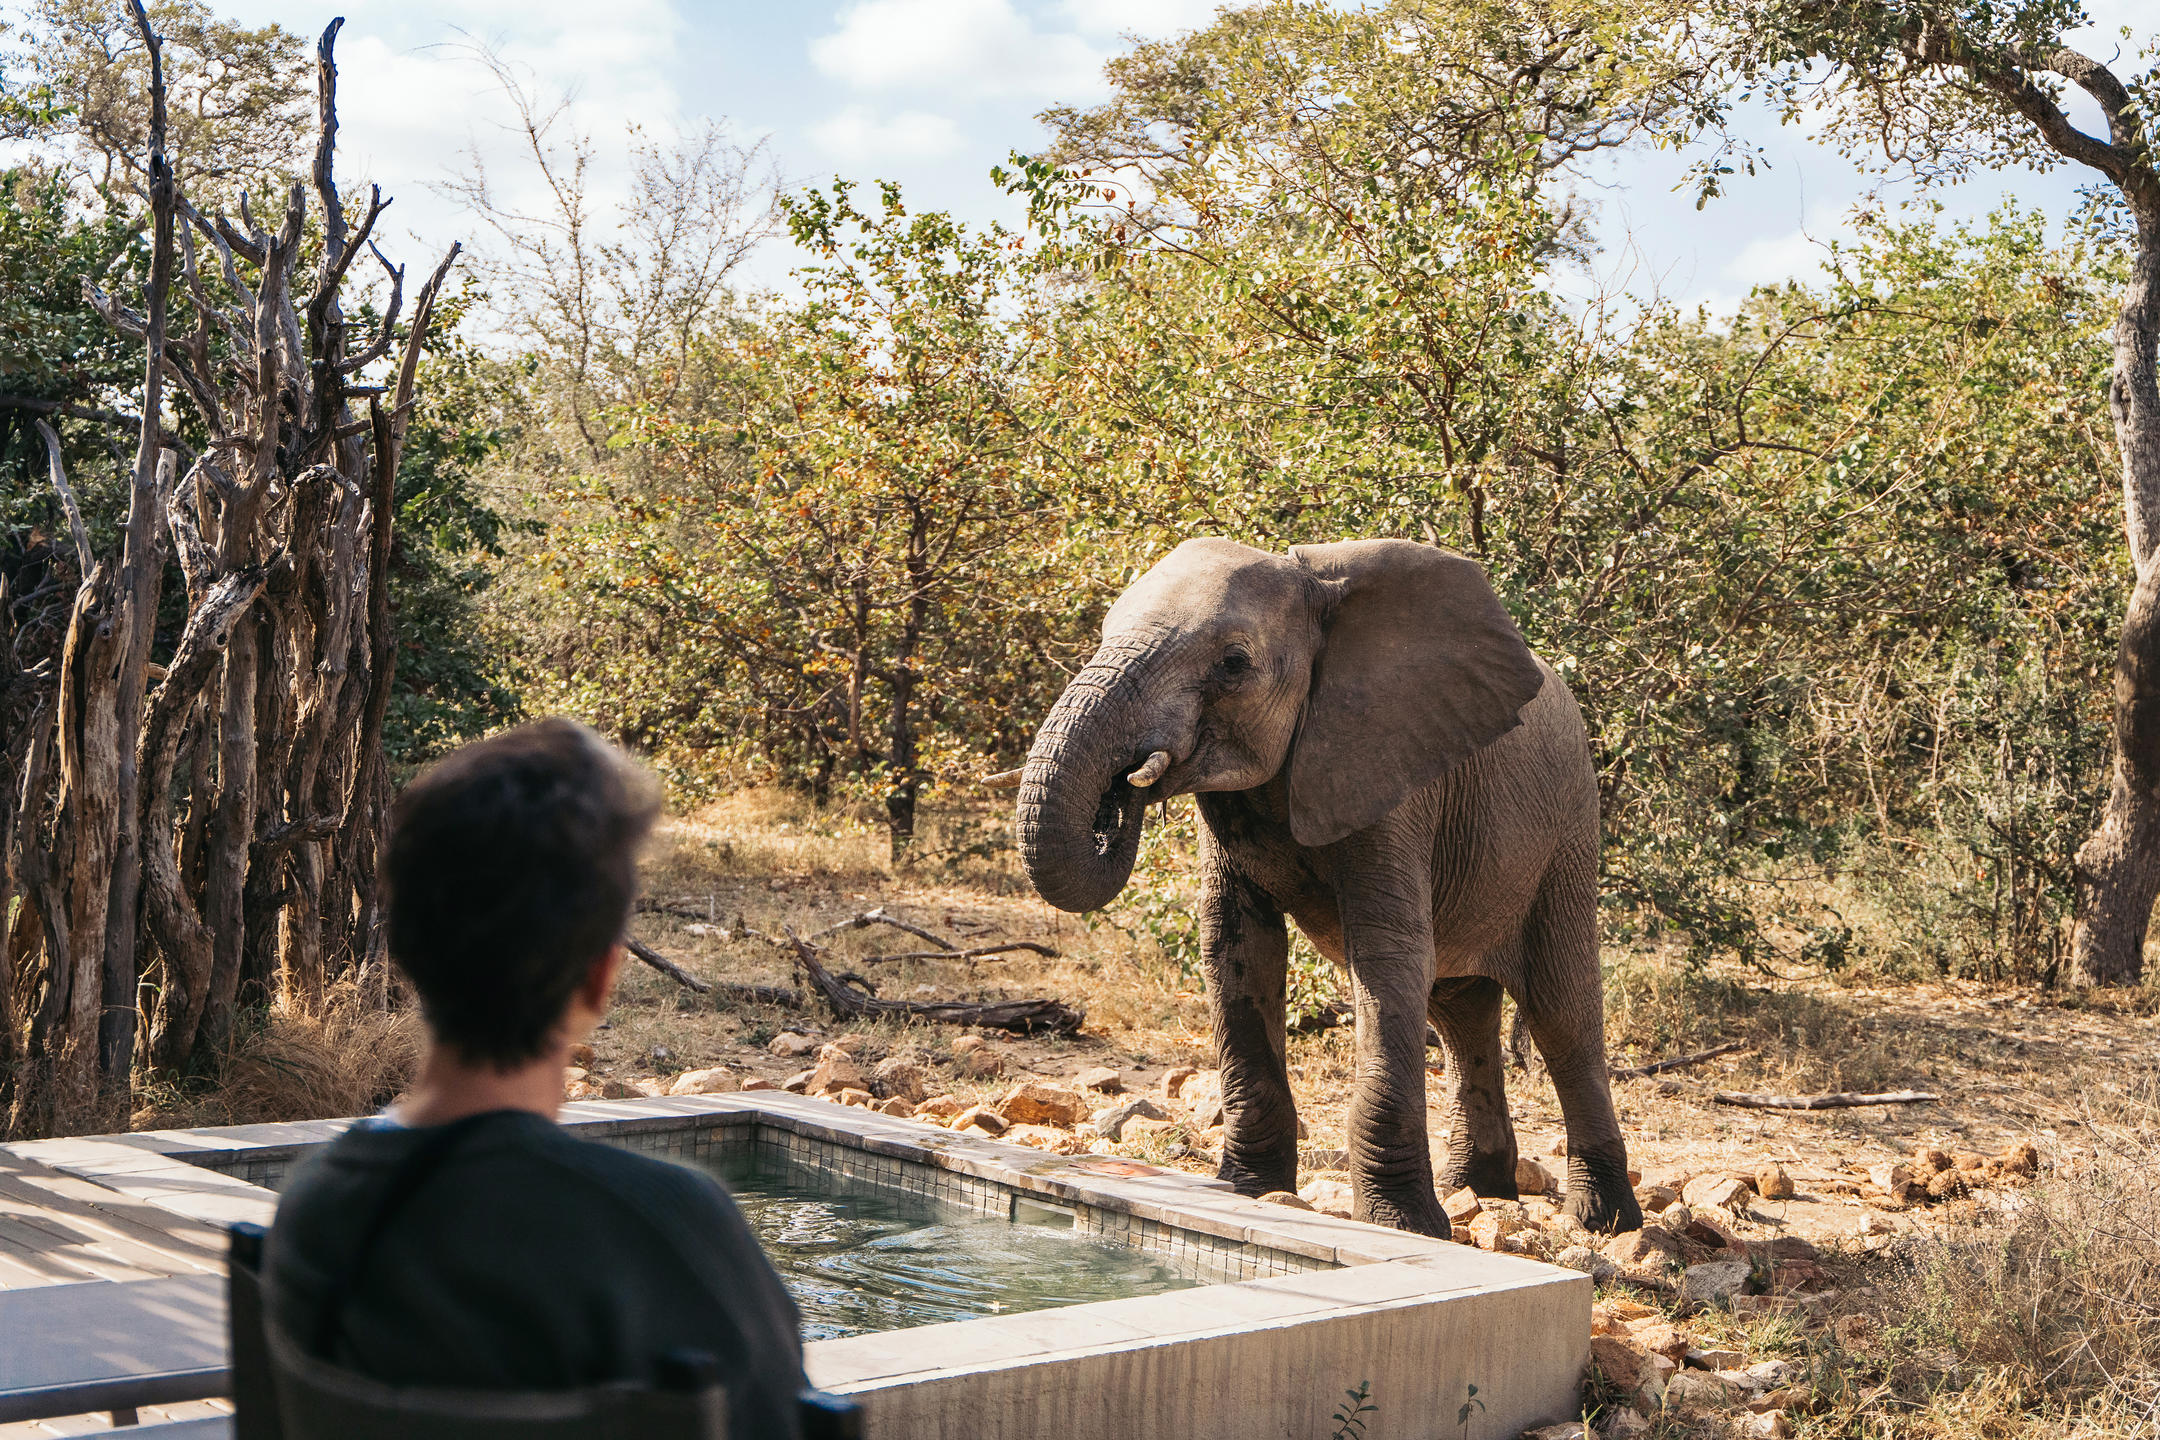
{"x": 859, "y": 1259}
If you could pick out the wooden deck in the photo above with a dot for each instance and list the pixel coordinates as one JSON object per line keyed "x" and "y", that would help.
{"x": 58, "y": 1230}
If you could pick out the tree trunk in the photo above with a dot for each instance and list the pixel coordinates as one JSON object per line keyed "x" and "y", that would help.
{"x": 2118, "y": 866}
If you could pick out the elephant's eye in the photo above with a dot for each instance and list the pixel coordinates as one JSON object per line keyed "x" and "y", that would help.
{"x": 1236, "y": 663}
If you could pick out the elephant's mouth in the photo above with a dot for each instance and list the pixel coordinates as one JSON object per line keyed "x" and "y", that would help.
{"x": 1118, "y": 814}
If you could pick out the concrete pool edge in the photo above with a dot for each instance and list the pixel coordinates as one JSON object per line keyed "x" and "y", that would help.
{"x": 1421, "y": 1320}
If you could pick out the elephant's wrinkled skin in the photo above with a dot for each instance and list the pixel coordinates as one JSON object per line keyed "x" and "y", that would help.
{"x": 1377, "y": 755}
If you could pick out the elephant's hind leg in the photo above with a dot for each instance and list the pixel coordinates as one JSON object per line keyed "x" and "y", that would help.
{"x": 1563, "y": 996}
{"x": 1481, "y": 1138}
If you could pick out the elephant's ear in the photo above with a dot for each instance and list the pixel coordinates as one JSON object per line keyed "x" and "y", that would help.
{"x": 1421, "y": 666}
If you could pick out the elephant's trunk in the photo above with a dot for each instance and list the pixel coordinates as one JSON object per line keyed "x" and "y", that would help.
{"x": 1079, "y": 817}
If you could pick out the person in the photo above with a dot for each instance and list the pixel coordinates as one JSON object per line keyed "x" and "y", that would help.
{"x": 462, "y": 1238}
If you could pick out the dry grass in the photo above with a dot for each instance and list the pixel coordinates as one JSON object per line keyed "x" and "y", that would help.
{"x": 345, "y": 1060}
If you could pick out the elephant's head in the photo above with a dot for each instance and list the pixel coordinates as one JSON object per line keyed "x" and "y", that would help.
{"x": 1368, "y": 668}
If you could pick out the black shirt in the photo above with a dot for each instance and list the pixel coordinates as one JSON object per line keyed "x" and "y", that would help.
{"x": 529, "y": 1260}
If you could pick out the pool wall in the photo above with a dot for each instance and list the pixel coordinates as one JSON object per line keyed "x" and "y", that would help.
{"x": 1307, "y": 1308}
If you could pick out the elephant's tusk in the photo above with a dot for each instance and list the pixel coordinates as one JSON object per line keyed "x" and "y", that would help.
{"x": 1152, "y": 771}
{"x": 1003, "y": 780}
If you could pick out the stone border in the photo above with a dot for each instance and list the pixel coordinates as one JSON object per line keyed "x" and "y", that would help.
{"x": 1318, "y": 1304}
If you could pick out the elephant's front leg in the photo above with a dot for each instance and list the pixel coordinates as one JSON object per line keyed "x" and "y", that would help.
{"x": 1387, "y": 932}
{"x": 1246, "y": 950}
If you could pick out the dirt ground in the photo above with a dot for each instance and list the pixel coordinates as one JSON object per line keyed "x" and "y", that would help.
{"x": 2009, "y": 1066}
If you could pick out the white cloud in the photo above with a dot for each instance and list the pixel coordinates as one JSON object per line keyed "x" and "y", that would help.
{"x": 1795, "y": 256}
{"x": 858, "y": 135}
{"x": 1149, "y": 19}
{"x": 978, "y": 49}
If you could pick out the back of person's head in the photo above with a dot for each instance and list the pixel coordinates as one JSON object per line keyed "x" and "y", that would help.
{"x": 512, "y": 868}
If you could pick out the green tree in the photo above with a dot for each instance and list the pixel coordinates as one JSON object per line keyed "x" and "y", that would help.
{"x": 1939, "y": 89}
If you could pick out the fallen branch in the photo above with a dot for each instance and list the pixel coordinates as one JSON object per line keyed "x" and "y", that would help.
{"x": 1844, "y": 1100}
{"x": 847, "y": 1002}
{"x": 758, "y": 994}
{"x": 1334, "y": 1014}
{"x": 879, "y": 917}
{"x": 977, "y": 953}
{"x": 1678, "y": 1062}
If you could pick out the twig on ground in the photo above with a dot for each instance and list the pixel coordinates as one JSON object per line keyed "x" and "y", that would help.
{"x": 1844, "y": 1100}
{"x": 847, "y": 1002}
{"x": 879, "y": 917}
{"x": 977, "y": 953}
{"x": 758, "y": 994}
{"x": 1678, "y": 1062}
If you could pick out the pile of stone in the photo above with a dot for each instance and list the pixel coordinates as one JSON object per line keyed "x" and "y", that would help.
{"x": 1931, "y": 1177}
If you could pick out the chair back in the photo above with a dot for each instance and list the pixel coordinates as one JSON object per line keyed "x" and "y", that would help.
{"x": 280, "y": 1393}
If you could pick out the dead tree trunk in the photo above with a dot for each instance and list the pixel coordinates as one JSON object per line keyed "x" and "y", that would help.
{"x": 223, "y": 812}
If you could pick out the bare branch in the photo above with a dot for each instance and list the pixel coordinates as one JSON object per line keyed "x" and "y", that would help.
{"x": 76, "y": 527}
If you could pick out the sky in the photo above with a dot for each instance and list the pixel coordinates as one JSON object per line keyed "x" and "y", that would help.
{"x": 932, "y": 93}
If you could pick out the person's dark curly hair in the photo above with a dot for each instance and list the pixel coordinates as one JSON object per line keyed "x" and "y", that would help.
{"x": 512, "y": 867}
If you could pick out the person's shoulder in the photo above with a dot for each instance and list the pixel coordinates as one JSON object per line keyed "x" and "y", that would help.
{"x": 642, "y": 1182}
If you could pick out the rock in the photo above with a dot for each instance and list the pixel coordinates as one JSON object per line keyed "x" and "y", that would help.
{"x": 1102, "y": 1078}
{"x": 1284, "y": 1197}
{"x": 789, "y": 1044}
{"x": 1651, "y": 1250}
{"x": 1175, "y": 1080}
{"x": 978, "y": 1062}
{"x": 660, "y": 1057}
{"x": 836, "y": 1071}
{"x": 940, "y": 1107}
{"x": 983, "y": 1118}
{"x": 760, "y": 1083}
{"x": 1202, "y": 1095}
{"x": 1696, "y": 1390}
{"x": 849, "y": 1045}
{"x": 1929, "y": 1162}
{"x": 967, "y": 1044}
{"x": 1531, "y": 1178}
{"x": 1773, "y": 1183}
{"x": 855, "y": 1097}
{"x": 1661, "y": 1338}
{"x": 719, "y": 1080}
{"x": 896, "y": 1076}
{"x": 798, "y": 1083}
{"x": 581, "y": 1090}
{"x": 1657, "y": 1197}
{"x": 1111, "y": 1120}
{"x": 1462, "y": 1205}
{"x": 1969, "y": 1160}
{"x": 1712, "y": 1229}
{"x": 1587, "y": 1260}
{"x": 1728, "y": 1192}
{"x": 1786, "y": 1247}
{"x": 897, "y": 1105}
{"x": 1946, "y": 1184}
{"x": 1146, "y": 1127}
{"x": 1626, "y": 1423}
{"x": 1489, "y": 1227}
{"x": 1771, "y": 1375}
{"x": 1676, "y": 1217}
{"x": 1873, "y": 1224}
{"x": 1329, "y": 1197}
{"x": 1031, "y": 1103}
{"x": 1786, "y": 1276}
{"x": 574, "y": 1074}
{"x": 617, "y": 1090}
{"x": 1712, "y": 1359}
{"x": 2019, "y": 1159}
{"x": 1043, "y": 1137}
{"x": 1713, "y": 1281}
{"x": 1571, "y": 1430}
{"x": 1770, "y": 1425}
{"x": 1898, "y": 1181}
{"x": 582, "y": 1054}
{"x": 1622, "y": 1310}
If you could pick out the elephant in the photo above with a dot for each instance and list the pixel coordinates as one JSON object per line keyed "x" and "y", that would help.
{"x": 1375, "y": 753}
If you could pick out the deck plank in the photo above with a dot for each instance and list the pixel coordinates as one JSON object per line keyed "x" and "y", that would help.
{"x": 56, "y": 1229}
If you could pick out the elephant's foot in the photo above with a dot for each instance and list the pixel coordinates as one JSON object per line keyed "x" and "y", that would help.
{"x": 1257, "y": 1175}
{"x": 1420, "y": 1215}
{"x": 1598, "y": 1193}
{"x": 1490, "y": 1174}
